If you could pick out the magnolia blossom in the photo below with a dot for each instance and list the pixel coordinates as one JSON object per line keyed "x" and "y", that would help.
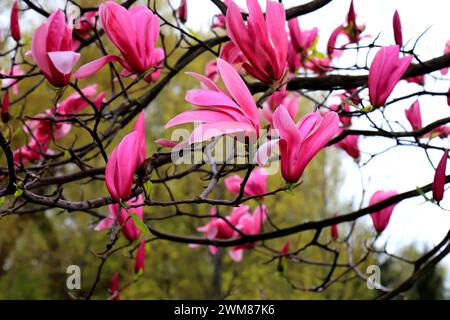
{"x": 5, "y": 107}
{"x": 444, "y": 71}
{"x": 439, "y": 178}
{"x": 318, "y": 65}
{"x": 51, "y": 49}
{"x": 220, "y": 112}
{"x": 12, "y": 81}
{"x": 334, "y": 231}
{"x": 285, "y": 249}
{"x": 381, "y": 218}
{"x": 345, "y": 120}
{"x": 134, "y": 32}
{"x": 350, "y": 145}
{"x": 300, "y": 142}
{"x": 419, "y": 79}
{"x": 350, "y": 29}
{"x": 442, "y": 132}
{"x": 242, "y": 220}
{"x": 256, "y": 183}
{"x": 139, "y": 266}
{"x": 397, "y": 29}
{"x": 219, "y": 20}
{"x": 114, "y": 289}
{"x": 385, "y": 72}
{"x": 263, "y": 41}
{"x": 413, "y": 115}
{"x": 182, "y": 11}
{"x": 123, "y": 219}
{"x": 124, "y": 161}
{"x": 289, "y": 100}
{"x": 83, "y": 28}
{"x": 300, "y": 43}
{"x": 14, "y": 25}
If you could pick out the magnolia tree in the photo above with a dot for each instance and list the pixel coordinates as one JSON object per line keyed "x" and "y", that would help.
{"x": 244, "y": 126}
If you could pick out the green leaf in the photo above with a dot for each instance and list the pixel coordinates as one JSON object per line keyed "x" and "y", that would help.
{"x": 139, "y": 223}
{"x": 148, "y": 186}
{"x": 367, "y": 108}
{"x": 139, "y": 274}
{"x": 420, "y": 191}
{"x": 2, "y": 200}
{"x": 19, "y": 189}
{"x": 282, "y": 265}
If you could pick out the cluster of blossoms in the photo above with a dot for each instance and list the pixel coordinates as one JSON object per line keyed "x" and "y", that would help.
{"x": 266, "y": 47}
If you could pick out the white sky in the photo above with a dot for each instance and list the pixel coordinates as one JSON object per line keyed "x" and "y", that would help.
{"x": 404, "y": 168}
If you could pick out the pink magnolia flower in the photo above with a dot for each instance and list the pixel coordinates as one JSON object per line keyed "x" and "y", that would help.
{"x": 397, "y": 24}
{"x": 381, "y": 218}
{"x": 442, "y": 131}
{"x": 282, "y": 97}
{"x": 124, "y": 161}
{"x": 300, "y": 142}
{"x": 159, "y": 58}
{"x": 413, "y": 115}
{"x": 420, "y": 79}
{"x": 334, "y": 231}
{"x": 439, "y": 178}
{"x": 219, "y": 20}
{"x": 242, "y": 220}
{"x": 263, "y": 41}
{"x": 352, "y": 30}
{"x": 114, "y": 291}
{"x": 51, "y": 49}
{"x": 231, "y": 54}
{"x": 221, "y": 112}
{"x": 5, "y": 107}
{"x": 301, "y": 41}
{"x": 385, "y": 72}
{"x": 248, "y": 224}
{"x": 318, "y": 65}
{"x": 15, "y": 27}
{"x": 12, "y": 82}
{"x": 332, "y": 43}
{"x": 134, "y": 32}
{"x": 83, "y": 28}
{"x": 294, "y": 59}
{"x": 129, "y": 229}
{"x": 256, "y": 183}
{"x": 75, "y": 103}
{"x": 444, "y": 71}
{"x": 139, "y": 266}
{"x": 211, "y": 70}
{"x": 350, "y": 145}
{"x": 345, "y": 120}
{"x": 285, "y": 249}
{"x": 182, "y": 11}
{"x": 219, "y": 228}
